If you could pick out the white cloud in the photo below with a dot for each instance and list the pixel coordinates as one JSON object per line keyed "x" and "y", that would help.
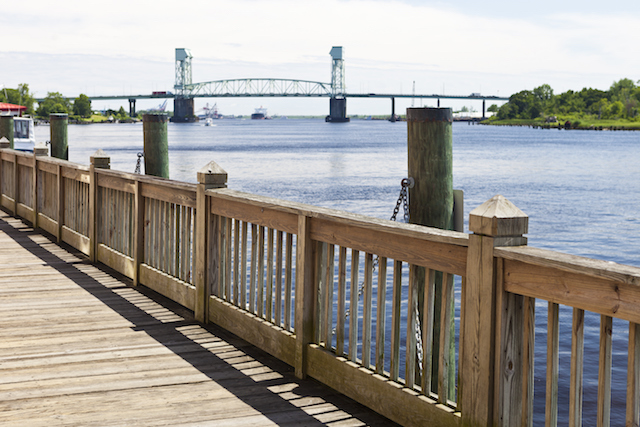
{"x": 388, "y": 45}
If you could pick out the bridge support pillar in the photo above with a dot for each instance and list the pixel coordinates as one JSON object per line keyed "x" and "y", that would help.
{"x": 337, "y": 111}
{"x": 183, "y": 110}
{"x": 483, "y": 108}
{"x": 132, "y": 108}
{"x": 393, "y": 110}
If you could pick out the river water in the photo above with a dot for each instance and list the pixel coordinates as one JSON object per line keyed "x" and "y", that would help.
{"x": 580, "y": 189}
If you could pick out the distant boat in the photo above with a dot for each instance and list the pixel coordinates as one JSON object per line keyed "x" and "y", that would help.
{"x": 260, "y": 114}
{"x": 24, "y": 137}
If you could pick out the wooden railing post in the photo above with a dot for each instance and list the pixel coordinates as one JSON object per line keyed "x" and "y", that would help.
{"x": 497, "y": 222}
{"x": 99, "y": 160}
{"x": 38, "y": 150}
{"x": 206, "y": 240}
{"x": 4, "y": 143}
{"x": 305, "y": 295}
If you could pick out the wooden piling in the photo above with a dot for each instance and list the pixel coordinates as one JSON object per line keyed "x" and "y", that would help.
{"x": 6, "y": 129}
{"x": 430, "y": 149}
{"x": 156, "y": 145}
{"x": 58, "y": 123}
{"x": 430, "y": 153}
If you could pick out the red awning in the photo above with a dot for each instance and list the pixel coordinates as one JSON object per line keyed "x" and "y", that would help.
{"x": 11, "y": 107}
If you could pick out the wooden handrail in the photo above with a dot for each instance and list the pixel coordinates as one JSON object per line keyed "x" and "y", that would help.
{"x": 216, "y": 236}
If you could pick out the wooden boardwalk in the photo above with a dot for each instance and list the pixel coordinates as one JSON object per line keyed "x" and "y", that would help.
{"x": 79, "y": 346}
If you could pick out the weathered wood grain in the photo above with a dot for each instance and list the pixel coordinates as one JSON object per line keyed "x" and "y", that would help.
{"x": 80, "y": 347}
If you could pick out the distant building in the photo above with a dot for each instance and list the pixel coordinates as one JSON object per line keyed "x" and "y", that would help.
{"x": 11, "y": 109}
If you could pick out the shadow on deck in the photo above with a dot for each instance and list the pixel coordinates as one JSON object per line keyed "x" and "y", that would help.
{"x": 79, "y": 346}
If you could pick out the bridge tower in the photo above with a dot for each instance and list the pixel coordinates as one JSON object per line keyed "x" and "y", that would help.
{"x": 338, "y": 102}
{"x": 183, "y": 106}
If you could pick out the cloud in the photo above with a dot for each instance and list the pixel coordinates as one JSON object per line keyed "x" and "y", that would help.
{"x": 388, "y": 44}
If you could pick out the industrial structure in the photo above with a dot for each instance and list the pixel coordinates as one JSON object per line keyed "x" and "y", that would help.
{"x": 183, "y": 105}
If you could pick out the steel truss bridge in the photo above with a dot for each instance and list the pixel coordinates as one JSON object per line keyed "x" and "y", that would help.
{"x": 185, "y": 91}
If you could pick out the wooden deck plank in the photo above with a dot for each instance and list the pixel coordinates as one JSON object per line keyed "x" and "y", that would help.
{"x": 78, "y": 346}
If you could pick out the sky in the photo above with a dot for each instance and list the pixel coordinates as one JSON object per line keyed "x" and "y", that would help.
{"x": 458, "y": 48}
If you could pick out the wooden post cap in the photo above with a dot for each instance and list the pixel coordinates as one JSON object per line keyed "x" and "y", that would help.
{"x": 212, "y": 176}
{"x": 41, "y": 149}
{"x": 99, "y": 159}
{"x": 4, "y": 142}
{"x": 428, "y": 114}
{"x": 498, "y": 217}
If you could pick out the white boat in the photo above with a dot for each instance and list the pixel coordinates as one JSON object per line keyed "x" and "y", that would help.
{"x": 24, "y": 137}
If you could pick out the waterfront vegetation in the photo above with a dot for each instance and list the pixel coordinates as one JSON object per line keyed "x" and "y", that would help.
{"x": 615, "y": 108}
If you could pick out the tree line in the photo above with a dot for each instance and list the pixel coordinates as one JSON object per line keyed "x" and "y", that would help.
{"x": 620, "y": 102}
{"x": 54, "y": 102}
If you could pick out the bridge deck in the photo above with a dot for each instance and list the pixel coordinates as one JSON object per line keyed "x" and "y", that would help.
{"x": 78, "y": 346}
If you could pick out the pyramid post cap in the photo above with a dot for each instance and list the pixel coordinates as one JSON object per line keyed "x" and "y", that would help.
{"x": 498, "y": 217}
{"x": 212, "y": 175}
{"x": 100, "y": 159}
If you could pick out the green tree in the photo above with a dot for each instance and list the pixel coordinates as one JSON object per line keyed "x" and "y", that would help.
{"x": 122, "y": 114}
{"x": 493, "y": 108}
{"x": 82, "y": 106}
{"x": 19, "y": 96}
{"x": 53, "y": 103}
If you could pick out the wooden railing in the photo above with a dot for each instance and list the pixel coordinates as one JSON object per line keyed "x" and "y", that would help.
{"x": 344, "y": 298}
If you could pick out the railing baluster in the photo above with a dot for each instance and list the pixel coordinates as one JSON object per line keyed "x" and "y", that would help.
{"x": 269, "y": 306}
{"x": 243, "y": 267}
{"x": 353, "y": 306}
{"x": 553, "y": 358}
{"x": 228, "y": 259}
{"x": 253, "y": 277}
{"x": 396, "y": 311}
{"x": 287, "y": 282}
{"x": 260, "y": 297}
{"x": 427, "y": 330}
{"x": 604, "y": 372}
{"x": 410, "y": 361}
{"x": 236, "y": 262}
{"x": 633, "y": 376}
{"x": 366, "y": 310}
{"x": 328, "y": 297}
{"x": 279, "y": 276}
{"x": 528, "y": 351}
{"x": 381, "y": 314}
{"x": 446, "y": 316}
{"x": 342, "y": 296}
{"x": 577, "y": 360}
{"x": 320, "y": 280}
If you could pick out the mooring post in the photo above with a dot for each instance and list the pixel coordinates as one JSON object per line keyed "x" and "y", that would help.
{"x": 6, "y": 129}
{"x": 99, "y": 160}
{"x": 58, "y": 123}
{"x": 497, "y": 330}
{"x": 156, "y": 145}
{"x": 207, "y": 233}
{"x": 430, "y": 153}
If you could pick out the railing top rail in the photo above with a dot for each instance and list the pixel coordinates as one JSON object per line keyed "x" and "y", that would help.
{"x": 347, "y": 218}
{"x": 148, "y": 179}
{"x": 572, "y": 263}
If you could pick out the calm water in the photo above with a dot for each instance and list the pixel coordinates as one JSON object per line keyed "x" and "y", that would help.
{"x": 580, "y": 189}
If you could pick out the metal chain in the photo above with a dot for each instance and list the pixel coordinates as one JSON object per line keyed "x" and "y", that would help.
{"x": 403, "y": 200}
{"x": 140, "y": 156}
